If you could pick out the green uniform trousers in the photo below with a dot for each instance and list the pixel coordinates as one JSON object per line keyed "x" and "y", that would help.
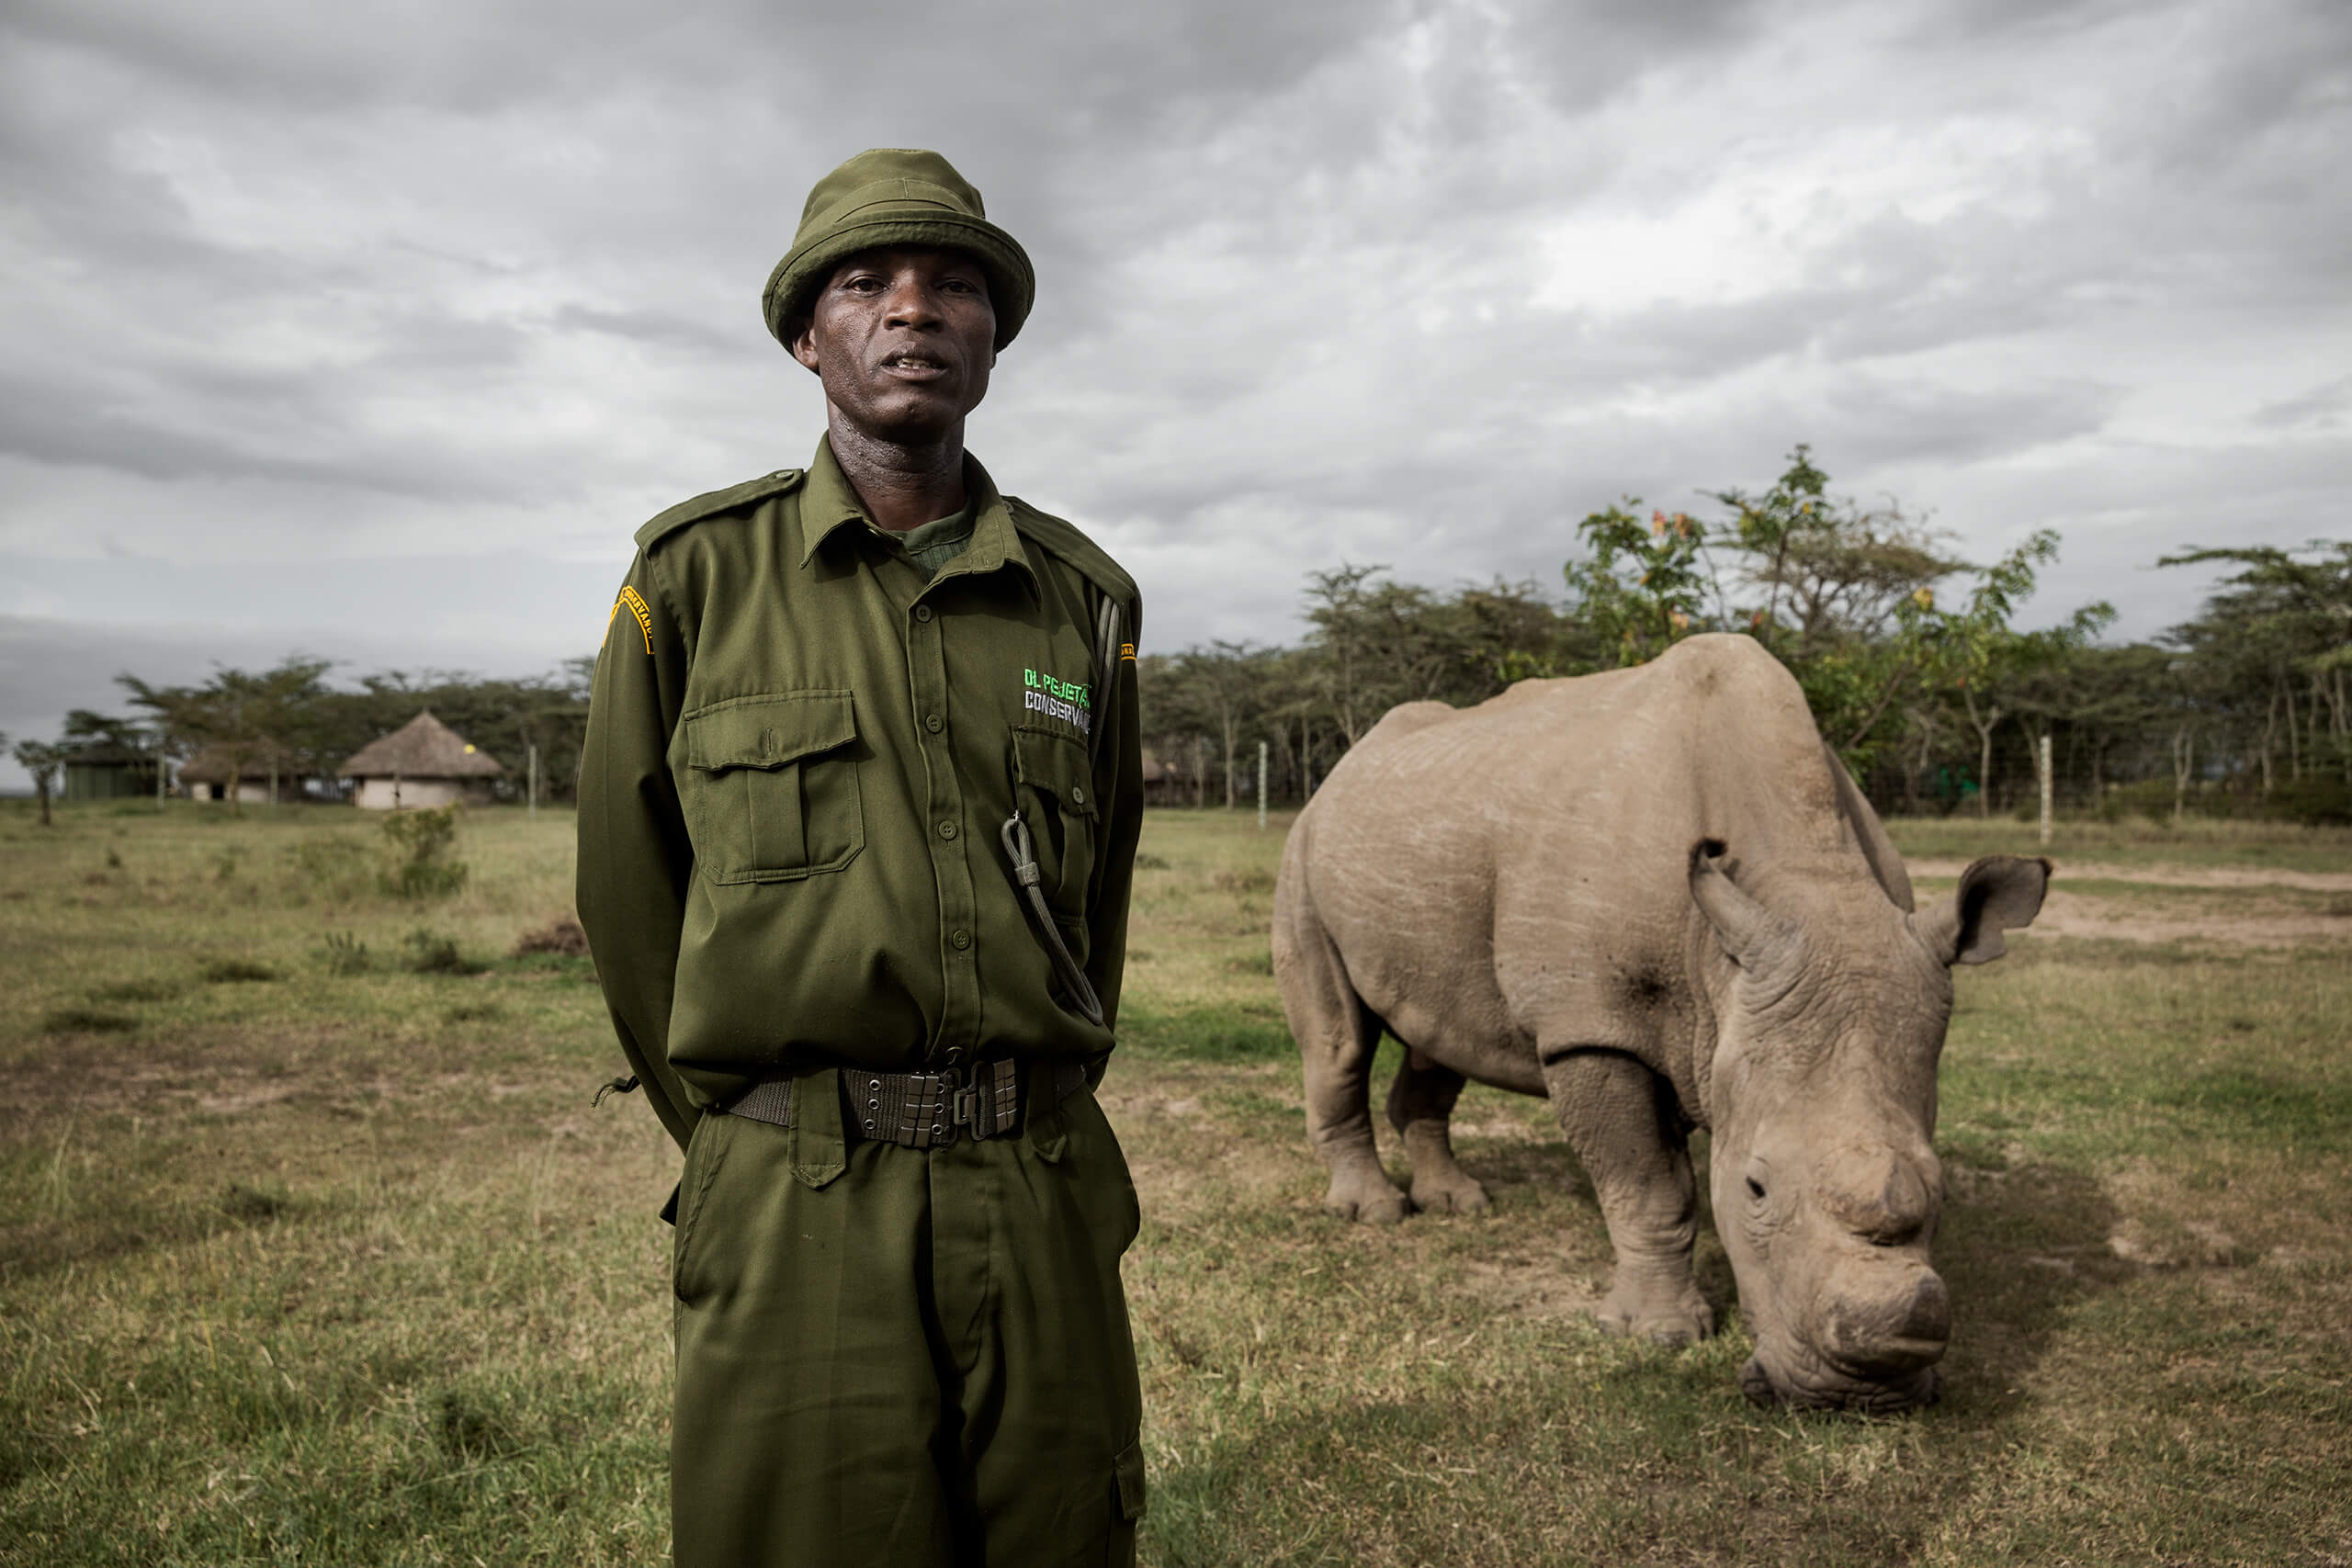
{"x": 904, "y": 1357}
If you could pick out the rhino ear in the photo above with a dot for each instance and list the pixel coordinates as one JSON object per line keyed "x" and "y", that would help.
{"x": 1746, "y": 929}
{"x": 1998, "y": 893}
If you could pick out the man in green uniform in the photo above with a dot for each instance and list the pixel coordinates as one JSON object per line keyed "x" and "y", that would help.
{"x": 858, "y": 813}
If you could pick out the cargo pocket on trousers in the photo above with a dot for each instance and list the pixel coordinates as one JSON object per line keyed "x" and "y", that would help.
{"x": 705, "y": 1152}
{"x": 1126, "y": 1472}
{"x": 770, "y": 791}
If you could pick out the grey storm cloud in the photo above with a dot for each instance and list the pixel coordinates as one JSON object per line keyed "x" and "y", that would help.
{"x": 373, "y": 330}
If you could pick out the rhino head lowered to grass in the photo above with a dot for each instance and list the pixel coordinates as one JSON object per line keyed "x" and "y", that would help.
{"x": 1655, "y": 898}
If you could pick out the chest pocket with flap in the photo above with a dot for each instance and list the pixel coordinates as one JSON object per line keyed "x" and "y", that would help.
{"x": 771, "y": 791}
{"x": 1057, "y": 781}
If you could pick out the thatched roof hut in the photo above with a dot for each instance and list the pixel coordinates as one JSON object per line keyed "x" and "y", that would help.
{"x": 205, "y": 776}
{"x": 423, "y": 762}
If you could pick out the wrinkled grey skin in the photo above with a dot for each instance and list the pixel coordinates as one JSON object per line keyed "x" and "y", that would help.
{"x": 1654, "y": 897}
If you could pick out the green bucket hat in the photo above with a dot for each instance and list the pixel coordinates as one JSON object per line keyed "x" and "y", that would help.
{"x": 896, "y": 195}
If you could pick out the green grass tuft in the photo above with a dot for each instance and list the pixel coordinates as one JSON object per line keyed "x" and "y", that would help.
{"x": 86, "y": 1020}
{"x": 235, "y": 971}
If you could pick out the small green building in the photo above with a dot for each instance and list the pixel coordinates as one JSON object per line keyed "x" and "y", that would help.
{"x": 103, "y": 771}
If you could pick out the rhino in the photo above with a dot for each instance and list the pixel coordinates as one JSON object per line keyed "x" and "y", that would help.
{"x": 1654, "y": 898}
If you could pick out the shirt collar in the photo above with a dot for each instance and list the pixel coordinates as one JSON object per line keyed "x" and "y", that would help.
{"x": 829, "y": 504}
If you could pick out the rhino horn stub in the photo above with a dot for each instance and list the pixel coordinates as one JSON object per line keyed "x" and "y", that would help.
{"x": 1884, "y": 1200}
{"x": 1995, "y": 894}
{"x": 1752, "y": 934}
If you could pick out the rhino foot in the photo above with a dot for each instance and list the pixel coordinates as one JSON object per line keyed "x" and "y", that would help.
{"x": 1454, "y": 1192}
{"x": 1684, "y": 1321}
{"x": 1366, "y": 1197}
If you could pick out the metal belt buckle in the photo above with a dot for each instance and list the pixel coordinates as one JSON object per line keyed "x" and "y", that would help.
{"x": 929, "y": 1109}
{"x": 989, "y": 1104}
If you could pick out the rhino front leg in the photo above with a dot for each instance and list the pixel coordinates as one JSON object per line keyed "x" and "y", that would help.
{"x": 1620, "y": 1118}
{"x": 1337, "y": 1036}
{"x": 1420, "y": 1106}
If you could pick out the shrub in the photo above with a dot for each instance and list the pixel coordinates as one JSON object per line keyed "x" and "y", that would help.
{"x": 2150, "y": 799}
{"x": 2314, "y": 802}
{"x": 235, "y": 971}
{"x": 345, "y": 953}
{"x": 418, "y": 861}
{"x": 429, "y": 952}
{"x": 562, "y": 938}
{"x": 336, "y": 865}
{"x": 86, "y": 1020}
{"x": 136, "y": 991}
{"x": 251, "y": 1204}
{"x": 472, "y": 1430}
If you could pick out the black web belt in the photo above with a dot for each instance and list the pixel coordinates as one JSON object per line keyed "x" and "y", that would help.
{"x": 921, "y": 1110}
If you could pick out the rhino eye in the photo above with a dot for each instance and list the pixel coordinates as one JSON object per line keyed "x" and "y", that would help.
{"x": 1755, "y": 1190}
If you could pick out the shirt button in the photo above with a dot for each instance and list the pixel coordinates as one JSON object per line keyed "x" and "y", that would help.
{"x": 922, "y": 612}
{"x": 933, "y": 723}
{"x": 962, "y": 938}
{"x": 947, "y": 829}
{"x": 1077, "y": 795}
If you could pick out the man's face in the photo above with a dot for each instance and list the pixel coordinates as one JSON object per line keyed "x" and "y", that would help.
{"x": 903, "y": 338}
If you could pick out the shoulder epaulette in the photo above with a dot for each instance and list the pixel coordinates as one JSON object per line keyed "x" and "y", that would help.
{"x": 751, "y": 492}
{"x": 1066, "y": 540}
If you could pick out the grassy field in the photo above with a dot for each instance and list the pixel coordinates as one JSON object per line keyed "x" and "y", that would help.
{"x": 313, "y": 1249}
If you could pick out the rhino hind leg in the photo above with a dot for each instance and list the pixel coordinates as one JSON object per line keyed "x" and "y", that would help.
{"x": 1420, "y": 1107}
{"x": 1337, "y": 1037}
{"x": 1620, "y": 1119}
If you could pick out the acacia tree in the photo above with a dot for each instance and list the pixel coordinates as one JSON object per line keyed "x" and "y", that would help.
{"x": 1223, "y": 686}
{"x": 1984, "y": 656}
{"x": 1849, "y": 602}
{"x": 41, "y": 758}
{"x": 1376, "y": 643}
{"x": 1842, "y": 596}
{"x": 245, "y": 715}
{"x": 1643, "y": 588}
{"x": 2302, "y": 610}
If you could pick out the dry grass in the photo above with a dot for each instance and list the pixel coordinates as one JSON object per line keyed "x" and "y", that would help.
{"x": 338, "y": 1266}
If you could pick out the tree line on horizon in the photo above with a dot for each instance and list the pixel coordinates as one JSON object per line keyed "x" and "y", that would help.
{"x": 291, "y": 722}
{"x": 1908, "y": 656}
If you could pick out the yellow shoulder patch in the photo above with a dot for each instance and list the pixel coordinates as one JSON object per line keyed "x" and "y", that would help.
{"x": 637, "y": 607}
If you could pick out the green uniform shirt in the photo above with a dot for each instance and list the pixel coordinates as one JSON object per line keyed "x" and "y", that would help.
{"x": 801, "y": 751}
{"x": 933, "y": 545}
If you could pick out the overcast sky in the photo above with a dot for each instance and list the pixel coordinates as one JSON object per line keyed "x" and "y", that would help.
{"x": 373, "y": 330}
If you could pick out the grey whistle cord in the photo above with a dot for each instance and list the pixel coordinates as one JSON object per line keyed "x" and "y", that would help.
{"x": 1106, "y": 672}
{"x": 1019, "y": 849}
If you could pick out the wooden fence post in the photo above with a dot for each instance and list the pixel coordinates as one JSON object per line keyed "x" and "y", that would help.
{"x": 2041, "y": 766}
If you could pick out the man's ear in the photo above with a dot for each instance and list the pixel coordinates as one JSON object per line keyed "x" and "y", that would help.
{"x": 1998, "y": 893}
{"x": 804, "y": 344}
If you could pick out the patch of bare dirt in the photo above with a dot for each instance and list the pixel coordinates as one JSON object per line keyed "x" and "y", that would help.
{"x": 1188, "y": 1164}
{"x": 2171, "y": 875}
{"x": 2076, "y": 914}
{"x": 1503, "y": 1128}
{"x": 1529, "y": 1287}
{"x": 234, "y": 1102}
{"x": 2067, "y": 913}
